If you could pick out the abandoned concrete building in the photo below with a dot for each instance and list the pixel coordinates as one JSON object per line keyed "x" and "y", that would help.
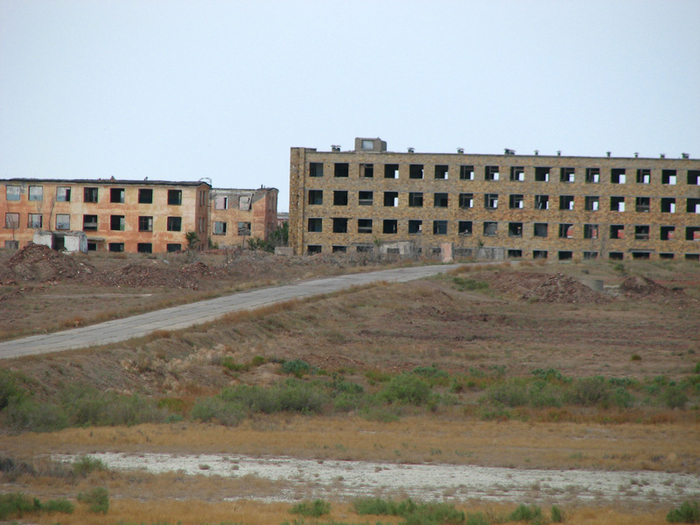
{"x": 238, "y": 215}
{"x": 123, "y": 215}
{"x": 494, "y": 206}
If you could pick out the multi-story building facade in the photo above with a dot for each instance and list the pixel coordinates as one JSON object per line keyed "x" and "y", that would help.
{"x": 531, "y": 206}
{"x": 238, "y": 215}
{"x": 115, "y": 215}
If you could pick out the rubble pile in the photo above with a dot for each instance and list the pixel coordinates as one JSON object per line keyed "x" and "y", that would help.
{"x": 643, "y": 287}
{"x": 560, "y": 288}
{"x": 36, "y": 262}
{"x": 518, "y": 282}
{"x": 142, "y": 276}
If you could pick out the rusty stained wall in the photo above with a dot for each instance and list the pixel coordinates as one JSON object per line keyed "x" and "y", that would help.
{"x": 301, "y": 210}
{"x": 234, "y": 206}
{"x": 193, "y": 212}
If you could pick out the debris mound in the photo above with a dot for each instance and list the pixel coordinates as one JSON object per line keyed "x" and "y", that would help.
{"x": 637, "y": 287}
{"x": 36, "y": 262}
{"x": 560, "y": 288}
{"x": 515, "y": 282}
{"x": 142, "y": 276}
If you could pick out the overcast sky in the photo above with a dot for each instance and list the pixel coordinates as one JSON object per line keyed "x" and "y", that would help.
{"x": 183, "y": 90}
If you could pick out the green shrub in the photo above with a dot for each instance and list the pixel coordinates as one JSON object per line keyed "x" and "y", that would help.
{"x": 25, "y": 415}
{"x": 687, "y": 513}
{"x": 548, "y": 374}
{"x": 216, "y": 409}
{"x": 406, "y": 388}
{"x": 478, "y": 518}
{"x": 85, "y": 465}
{"x": 511, "y": 393}
{"x": 462, "y": 284}
{"x": 542, "y": 394}
{"x": 526, "y": 513}
{"x": 312, "y": 509}
{"x": 16, "y": 505}
{"x": 8, "y": 388}
{"x": 590, "y": 391}
{"x": 58, "y": 505}
{"x": 230, "y": 364}
{"x": 346, "y": 387}
{"x": 298, "y": 368}
{"x": 97, "y": 499}
{"x": 413, "y": 513}
{"x": 289, "y": 396}
{"x": 674, "y": 397}
{"x": 622, "y": 398}
{"x": 258, "y": 360}
{"x": 697, "y": 368}
{"x": 557, "y": 515}
{"x": 430, "y": 372}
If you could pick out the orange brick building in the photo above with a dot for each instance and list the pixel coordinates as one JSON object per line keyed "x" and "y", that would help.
{"x": 238, "y": 215}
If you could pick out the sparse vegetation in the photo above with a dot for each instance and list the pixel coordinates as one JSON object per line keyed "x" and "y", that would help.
{"x": 312, "y": 509}
{"x": 96, "y": 499}
{"x": 688, "y": 512}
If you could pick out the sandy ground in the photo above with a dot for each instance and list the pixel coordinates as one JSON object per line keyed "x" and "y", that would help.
{"x": 344, "y": 480}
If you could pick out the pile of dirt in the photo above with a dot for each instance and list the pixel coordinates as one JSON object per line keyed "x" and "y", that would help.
{"x": 36, "y": 262}
{"x": 643, "y": 287}
{"x": 560, "y": 288}
{"x": 517, "y": 283}
{"x": 142, "y": 276}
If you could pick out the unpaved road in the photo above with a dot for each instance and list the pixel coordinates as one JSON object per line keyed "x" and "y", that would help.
{"x": 343, "y": 480}
{"x": 187, "y": 315}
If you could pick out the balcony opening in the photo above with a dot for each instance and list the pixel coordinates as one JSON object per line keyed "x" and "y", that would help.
{"x": 668, "y": 205}
{"x": 566, "y": 202}
{"x": 566, "y": 231}
{"x": 491, "y": 201}
{"x": 492, "y": 173}
{"x": 466, "y": 200}
{"x": 90, "y": 223}
{"x": 668, "y": 233}
{"x": 590, "y": 231}
{"x": 692, "y": 233}
{"x": 693, "y": 177}
{"x": 617, "y": 231}
{"x": 515, "y": 202}
{"x": 642, "y": 204}
{"x": 693, "y": 206}
{"x": 641, "y": 233}
{"x": 567, "y": 174}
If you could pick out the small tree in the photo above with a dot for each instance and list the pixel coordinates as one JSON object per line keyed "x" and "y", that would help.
{"x": 192, "y": 239}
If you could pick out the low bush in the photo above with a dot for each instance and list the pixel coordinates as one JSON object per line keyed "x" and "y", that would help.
{"x": 688, "y": 512}
{"x": 590, "y": 391}
{"x": 526, "y": 513}
{"x": 674, "y": 397}
{"x": 16, "y": 505}
{"x": 413, "y": 513}
{"x": 298, "y": 368}
{"x": 85, "y": 465}
{"x": 312, "y": 509}
{"x": 216, "y": 409}
{"x": 462, "y": 284}
{"x": 406, "y": 388}
{"x": 557, "y": 515}
{"x": 97, "y": 499}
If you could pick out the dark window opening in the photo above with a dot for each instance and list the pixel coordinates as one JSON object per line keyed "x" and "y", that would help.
{"x": 174, "y": 224}
{"x": 144, "y": 247}
{"x": 364, "y": 225}
{"x": 440, "y": 200}
{"x": 542, "y": 174}
{"x": 466, "y": 200}
{"x": 692, "y": 256}
{"x": 316, "y": 169}
{"x": 693, "y": 206}
{"x": 244, "y": 228}
{"x": 592, "y": 175}
{"x": 92, "y": 246}
{"x": 565, "y": 255}
{"x": 617, "y": 176}
{"x": 116, "y": 195}
{"x": 342, "y": 169}
{"x": 491, "y": 173}
{"x": 491, "y": 201}
{"x": 640, "y": 255}
{"x": 366, "y": 198}
{"x": 340, "y": 249}
{"x": 616, "y": 256}
{"x": 415, "y": 200}
{"x": 174, "y": 197}
{"x": 566, "y": 231}
{"x": 439, "y": 227}
{"x": 541, "y": 229}
{"x": 390, "y": 226}
{"x": 117, "y": 222}
{"x": 617, "y": 231}
{"x": 541, "y": 202}
{"x": 668, "y": 177}
{"x": 694, "y": 177}
{"x": 592, "y": 203}
{"x": 516, "y": 202}
{"x": 415, "y": 227}
{"x": 145, "y": 196}
{"x": 643, "y": 176}
{"x": 642, "y": 204}
{"x": 692, "y": 233}
{"x": 173, "y": 247}
{"x": 146, "y": 224}
{"x": 116, "y": 246}
{"x": 391, "y": 171}
{"x": 367, "y": 171}
{"x": 515, "y": 254}
{"x": 313, "y": 249}
{"x": 590, "y": 231}
{"x": 666, "y": 256}
{"x": 315, "y": 197}
{"x": 566, "y": 202}
{"x": 490, "y": 229}
{"x": 641, "y": 233}
{"x": 415, "y": 171}
{"x": 515, "y": 229}
{"x": 539, "y": 254}
{"x": 442, "y": 172}
{"x": 315, "y": 225}
{"x": 391, "y": 199}
{"x": 90, "y": 194}
{"x": 464, "y": 227}
{"x": 567, "y": 174}
{"x": 617, "y": 204}
{"x": 667, "y": 233}
{"x": 220, "y": 228}
{"x": 340, "y": 198}
{"x": 364, "y": 248}
{"x": 590, "y": 255}
{"x": 466, "y": 173}
{"x": 668, "y": 205}
{"x": 62, "y": 194}
{"x": 517, "y": 173}
{"x": 340, "y": 225}
{"x": 89, "y": 223}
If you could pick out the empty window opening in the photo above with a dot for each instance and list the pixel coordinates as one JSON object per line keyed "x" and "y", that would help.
{"x": 668, "y": 177}
{"x": 220, "y": 202}
{"x": 641, "y": 233}
{"x": 642, "y": 204}
{"x": 364, "y": 225}
{"x": 692, "y": 256}
{"x": 340, "y": 249}
{"x": 364, "y": 248}
{"x": 173, "y": 247}
{"x": 491, "y": 201}
{"x": 491, "y": 173}
{"x": 490, "y": 229}
{"x": 366, "y": 198}
{"x": 316, "y": 169}
{"x": 590, "y": 255}
{"x": 616, "y": 256}
{"x": 315, "y": 225}
{"x": 541, "y": 202}
{"x": 566, "y": 202}
{"x": 63, "y": 221}
{"x": 694, "y": 177}
{"x": 36, "y": 193}
{"x": 539, "y": 254}
{"x": 668, "y": 233}
{"x": 516, "y": 202}
{"x": 666, "y": 256}
{"x": 464, "y": 227}
{"x": 340, "y": 225}
{"x": 415, "y": 200}
{"x": 592, "y": 203}
{"x": 592, "y": 175}
{"x": 117, "y": 222}
{"x": 393, "y": 251}
{"x": 590, "y": 231}
{"x": 565, "y": 255}
{"x": 440, "y": 200}
{"x": 391, "y": 199}
{"x": 116, "y": 195}
{"x": 313, "y": 249}
{"x": 692, "y": 233}
{"x": 442, "y": 172}
{"x": 415, "y": 227}
{"x": 63, "y": 194}
{"x": 541, "y": 229}
{"x": 517, "y": 173}
{"x": 174, "y": 197}
{"x": 439, "y": 227}
{"x": 390, "y": 226}
{"x": 515, "y": 229}
{"x": 90, "y": 194}
{"x": 220, "y": 228}
{"x": 617, "y": 204}
{"x": 466, "y": 200}
{"x": 566, "y": 231}
{"x": 668, "y": 205}
{"x": 315, "y": 197}
{"x": 693, "y": 206}
{"x": 643, "y": 176}
{"x": 640, "y": 255}
{"x": 515, "y": 254}
{"x": 116, "y": 246}
{"x": 367, "y": 171}
{"x": 617, "y": 176}
{"x": 12, "y": 221}
{"x": 35, "y": 221}
{"x": 466, "y": 172}
{"x": 617, "y": 231}
{"x": 89, "y": 223}
{"x": 244, "y": 228}
{"x": 92, "y": 246}
{"x": 391, "y": 171}
{"x": 144, "y": 247}
{"x": 567, "y": 174}
{"x": 174, "y": 224}
{"x": 542, "y": 174}
{"x": 342, "y": 169}
{"x": 145, "y": 196}
{"x": 340, "y": 198}
{"x": 415, "y": 171}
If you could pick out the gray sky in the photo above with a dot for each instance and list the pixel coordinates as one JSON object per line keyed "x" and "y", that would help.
{"x": 182, "y": 90}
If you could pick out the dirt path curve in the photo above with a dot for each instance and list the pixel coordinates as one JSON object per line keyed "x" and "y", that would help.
{"x": 187, "y": 315}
